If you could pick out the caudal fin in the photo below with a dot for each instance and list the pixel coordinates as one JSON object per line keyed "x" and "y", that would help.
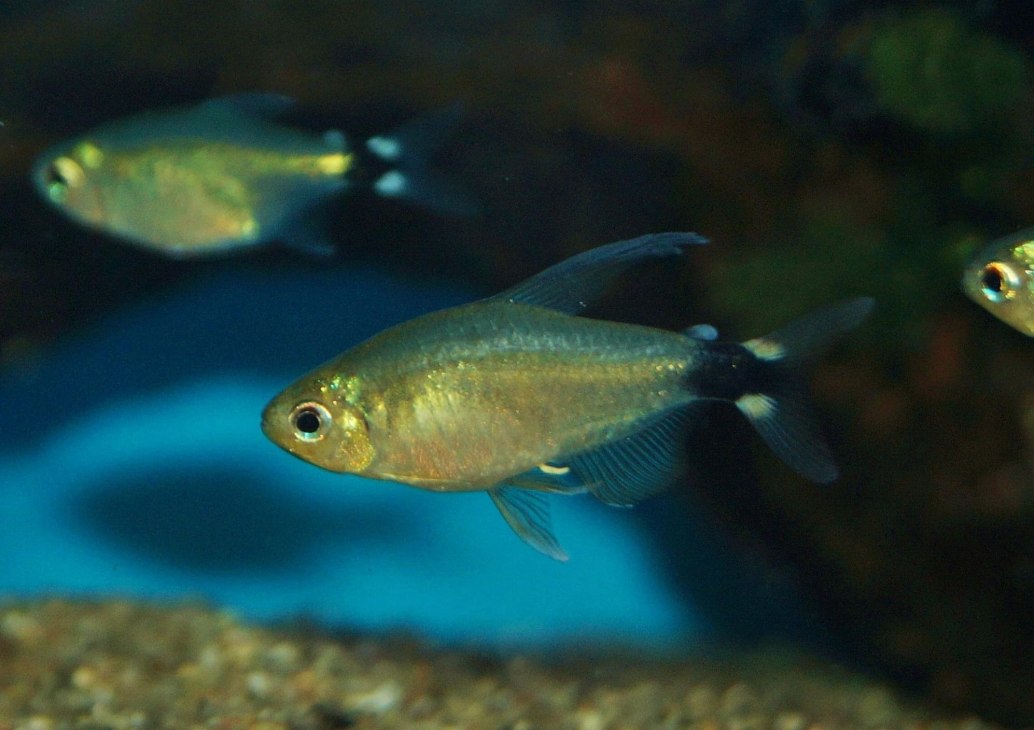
{"x": 404, "y": 154}
{"x": 780, "y": 412}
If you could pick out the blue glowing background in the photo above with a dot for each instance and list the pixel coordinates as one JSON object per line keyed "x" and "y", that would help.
{"x": 133, "y": 464}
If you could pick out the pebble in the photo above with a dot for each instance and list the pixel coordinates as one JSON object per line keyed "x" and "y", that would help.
{"x": 137, "y": 666}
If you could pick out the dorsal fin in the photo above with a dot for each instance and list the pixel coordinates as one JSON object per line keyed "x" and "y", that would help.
{"x": 259, "y": 104}
{"x": 578, "y": 282}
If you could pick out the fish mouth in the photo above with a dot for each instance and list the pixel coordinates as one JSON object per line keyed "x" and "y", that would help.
{"x": 971, "y": 286}
{"x": 39, "y": 179}
{"x": 267, "y": 423}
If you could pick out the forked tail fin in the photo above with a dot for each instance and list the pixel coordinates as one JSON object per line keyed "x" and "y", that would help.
{"x": 780, "y": 412}
{"x": 404, "y": 154}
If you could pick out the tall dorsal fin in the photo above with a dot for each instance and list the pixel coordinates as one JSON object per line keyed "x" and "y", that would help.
{"x": 578, "y": 282}
{"x": 258, "y": 104}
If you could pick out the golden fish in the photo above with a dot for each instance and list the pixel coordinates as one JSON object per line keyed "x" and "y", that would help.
{"x": 1001, "y": 280}
{"x": 221, "y": 175}
{"x": 515, "y": 396}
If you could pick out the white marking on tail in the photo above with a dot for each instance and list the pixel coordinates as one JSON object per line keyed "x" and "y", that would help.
{"x": 386, "y": 148}
{"x": 765, "y": 349}
{"x": 756, "y": 406}
{"x": 391, "y": 184}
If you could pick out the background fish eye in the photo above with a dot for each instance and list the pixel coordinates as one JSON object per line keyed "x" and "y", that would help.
{"x": 54, "y": 176}
{"x": 62, "y": 174}
{"x": 996, "y": 281}
{"x": 310, "y": 420}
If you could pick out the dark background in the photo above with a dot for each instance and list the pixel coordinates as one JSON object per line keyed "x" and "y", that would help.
{"x": 829, "y": 149}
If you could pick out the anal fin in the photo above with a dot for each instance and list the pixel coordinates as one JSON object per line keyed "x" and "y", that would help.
{"x": 631, "y": 469}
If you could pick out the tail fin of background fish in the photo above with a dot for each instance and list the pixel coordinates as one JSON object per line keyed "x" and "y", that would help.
{"x": 406, "y": 152}
{"x": 780, "y": 412}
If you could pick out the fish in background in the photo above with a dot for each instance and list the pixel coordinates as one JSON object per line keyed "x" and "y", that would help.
{"x": 199, "y": 180}
{"x": 515, "y": 396}
{"x": 1001, "y": 280}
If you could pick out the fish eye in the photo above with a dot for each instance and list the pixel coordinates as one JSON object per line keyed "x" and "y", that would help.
{"x": 310, "y": 420}
{"x": 997, "y": 282}
{"x": 60, "y": 175}
{"x": 54, "y": 176}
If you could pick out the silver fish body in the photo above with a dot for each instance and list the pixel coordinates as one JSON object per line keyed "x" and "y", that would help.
{"x": 468, "y": 397}
{"x": 516, "y": 396}
{"x": 221, "y": 175}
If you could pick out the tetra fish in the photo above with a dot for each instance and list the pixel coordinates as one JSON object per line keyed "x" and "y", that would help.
{"x": 1001, "y": 280}
{"x": 221, "y": 175}
{"x": 516, "y": 396}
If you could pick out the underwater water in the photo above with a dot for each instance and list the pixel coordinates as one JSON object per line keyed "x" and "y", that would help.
{"x": 154, "y": 481}
{"x": 829, "y": 150}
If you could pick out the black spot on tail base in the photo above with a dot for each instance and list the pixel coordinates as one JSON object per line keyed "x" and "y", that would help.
{"x": 728, "y": 371}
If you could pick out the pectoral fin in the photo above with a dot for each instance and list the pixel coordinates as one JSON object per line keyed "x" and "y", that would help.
{"x": 576, "y": 283}
{"x": 527, "y": 513}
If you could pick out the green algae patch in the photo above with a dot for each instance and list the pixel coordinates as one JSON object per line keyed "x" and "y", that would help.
{"x": 931, "y": 71}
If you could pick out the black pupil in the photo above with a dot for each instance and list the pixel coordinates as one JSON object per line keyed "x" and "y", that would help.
{"x": 992, "y": 280}
{"x": 54, "y": 175}
{"x": 307, "y": 421}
